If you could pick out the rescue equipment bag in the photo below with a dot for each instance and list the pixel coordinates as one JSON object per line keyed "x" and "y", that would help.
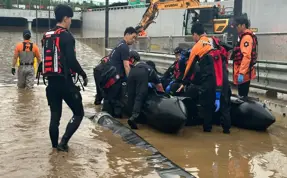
{"x": 53, "y": 62}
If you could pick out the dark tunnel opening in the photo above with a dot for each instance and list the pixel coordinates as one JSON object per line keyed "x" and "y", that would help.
{"x": 13, "y": 21}
{"x": 45, "y": 23}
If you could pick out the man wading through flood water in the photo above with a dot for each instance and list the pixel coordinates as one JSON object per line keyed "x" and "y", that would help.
{"x": 59, "y": 64}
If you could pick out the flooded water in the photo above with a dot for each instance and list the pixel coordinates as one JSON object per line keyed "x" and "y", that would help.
{"x": 25, "y": 148}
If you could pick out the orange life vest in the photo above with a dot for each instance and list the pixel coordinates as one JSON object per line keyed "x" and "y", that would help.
{"x": 254, "y": 53}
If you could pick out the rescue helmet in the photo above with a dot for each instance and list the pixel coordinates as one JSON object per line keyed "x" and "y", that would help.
{"x": 177, "y": 50}
{"x": 135, "y": 55}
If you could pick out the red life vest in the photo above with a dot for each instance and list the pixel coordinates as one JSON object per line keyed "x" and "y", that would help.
{"x": 218, "y": 67}
{"x": 254, "y": 53}
{"x": 176, "y": 71}
{"x": 52, "y": 56}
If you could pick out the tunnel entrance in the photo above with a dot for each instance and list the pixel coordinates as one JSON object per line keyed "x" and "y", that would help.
{"x": 45, "y": 23}
{"x": 13, "y": 21}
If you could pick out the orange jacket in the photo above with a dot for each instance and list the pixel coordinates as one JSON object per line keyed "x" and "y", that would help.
{"x": 200, "y": 48}
{"x": 26, "y": 51}
{"x": 243, "y": 66}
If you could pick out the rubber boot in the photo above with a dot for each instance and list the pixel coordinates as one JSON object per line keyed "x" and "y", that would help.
{"x": 63, "y": 146}
{"x": 226, "y": 131}
{"x": 132, "y": 123}
{"x": 98, "y": 100}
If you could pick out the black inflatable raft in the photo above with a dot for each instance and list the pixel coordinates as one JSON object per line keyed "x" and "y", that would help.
{"x": 249, "y": 113}
{"x": 246, "y": 113}
{"x": 162, "y": 112}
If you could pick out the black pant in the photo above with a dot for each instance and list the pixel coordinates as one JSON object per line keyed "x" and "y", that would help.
{"x": 112, "y": 103}
{"x": 137, "y": 89}
{"x": 243, "y": 89}
{"x": 224, "y": 110}
{"x": 99, "y": 95}
{"x": 59, "y": 89}
{"x": 206, "y": 98}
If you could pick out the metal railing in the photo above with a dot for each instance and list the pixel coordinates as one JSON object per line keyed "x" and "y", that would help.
{"x": 272, "y": 74}
{"x": 272, "y": 55}
{"x": 272, "y": 46}
{"x": 163, "y": 44}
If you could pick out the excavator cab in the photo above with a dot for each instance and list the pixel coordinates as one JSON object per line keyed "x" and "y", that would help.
{"x": 211, "y": 17}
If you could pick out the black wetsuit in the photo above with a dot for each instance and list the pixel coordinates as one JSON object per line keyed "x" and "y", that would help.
{"x": 112, "y": 94}
{"x": 140, "y": 75}
{"x": 63, "y": 88}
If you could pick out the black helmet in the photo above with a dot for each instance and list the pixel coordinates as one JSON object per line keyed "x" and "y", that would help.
{"x": 135, "y": 55}
{"x": 177, "y": 50}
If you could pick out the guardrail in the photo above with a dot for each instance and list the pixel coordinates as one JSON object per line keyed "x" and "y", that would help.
{"x": 272, "y": 46}
{"x": 162, "y": 44}
{"x": 272, "y": 74}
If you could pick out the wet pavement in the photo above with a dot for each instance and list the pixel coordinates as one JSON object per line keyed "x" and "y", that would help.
{"x": 25, "y": 149}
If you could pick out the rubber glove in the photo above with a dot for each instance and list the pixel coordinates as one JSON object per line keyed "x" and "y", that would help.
{"x": 240, "y": 78}
{"x": 13, "y": 71}
{"x": 217, "y": 101}
{"x": 167, "y": 89}
{"x": 150, "y": 85}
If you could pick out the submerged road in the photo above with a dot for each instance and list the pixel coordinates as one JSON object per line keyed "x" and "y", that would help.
{"x": 25, "y": 149}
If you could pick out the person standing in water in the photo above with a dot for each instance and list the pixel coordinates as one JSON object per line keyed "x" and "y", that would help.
{"x": 59, "y": 64}
{"x": 26, "y": 51}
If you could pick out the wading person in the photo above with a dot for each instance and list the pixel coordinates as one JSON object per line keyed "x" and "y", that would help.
{"x": 26, "y": 51}
{"x": 59, "y": 63}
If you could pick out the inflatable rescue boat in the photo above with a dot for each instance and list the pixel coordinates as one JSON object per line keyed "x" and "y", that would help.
{"x": 246, "y": 113}
{"x": 163, "y": 112}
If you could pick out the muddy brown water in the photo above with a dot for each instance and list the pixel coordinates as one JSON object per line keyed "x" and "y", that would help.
{"x": 25, "y": 149}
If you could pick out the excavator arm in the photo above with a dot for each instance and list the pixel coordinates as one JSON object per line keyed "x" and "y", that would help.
{"x": 152, "y": 11}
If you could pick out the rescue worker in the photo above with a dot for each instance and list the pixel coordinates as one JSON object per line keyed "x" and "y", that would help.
{"x": 140, "y": 78}
{"x": 201, "y": 53}
{"x": 26, "y": 51}
{"x": 169, "y": 73}
{"x": 222, "y": 100}
{"x": 244, "y": 56}
{"x": 97, "y": 75}
{"x": 141, "y": 31}
{"x": 59, "y": 63}
{"x": 119, "y": 59}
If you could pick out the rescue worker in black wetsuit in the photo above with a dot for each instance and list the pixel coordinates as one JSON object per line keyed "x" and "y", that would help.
{"x": 169, "y": 73}
{"x": 59, "y": 63}
{"x": 173, "y": 70}
{"x": 222, "y": 100}
{"x": 97, "y": 75}
{"x": 119, "y": 58}
{"x": 201, "y": 53}
{"x": 141, "y": 76}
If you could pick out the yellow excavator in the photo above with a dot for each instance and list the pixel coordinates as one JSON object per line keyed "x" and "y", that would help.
{"x": 209, "y": 15}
